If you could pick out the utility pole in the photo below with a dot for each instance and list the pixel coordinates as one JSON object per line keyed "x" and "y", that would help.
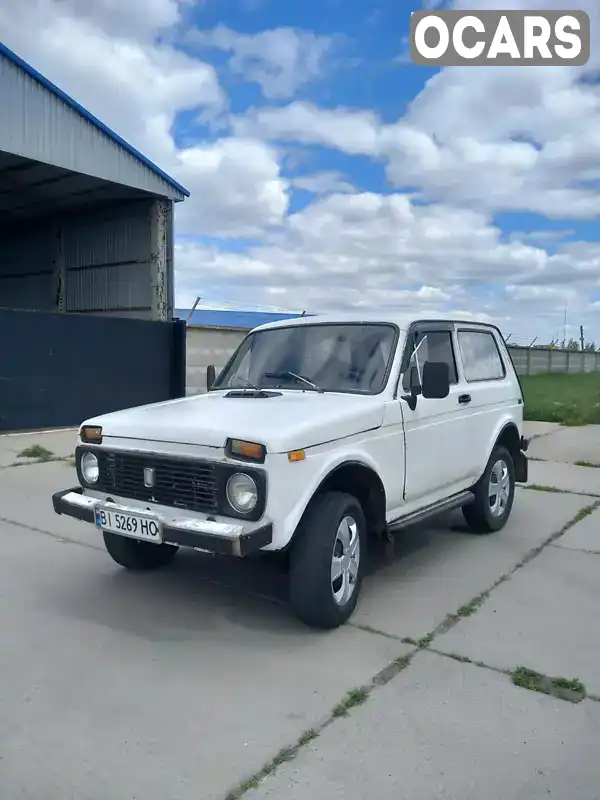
{"x": 564, "y": 341}
{"x": 581, "y": 339}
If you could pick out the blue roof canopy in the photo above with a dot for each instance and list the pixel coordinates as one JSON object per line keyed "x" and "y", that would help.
{"x": 51, "y": 87}
{"x": 216, "y": 318}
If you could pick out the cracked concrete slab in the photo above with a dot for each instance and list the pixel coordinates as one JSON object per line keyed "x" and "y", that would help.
{"x": 545, "y": 618}
{"x": 162, "y": 685}
{"x": 566, "y": 477}
{"x": 61, "y": 443}
{"x": 438, "y": 569}
{"x": 442, "y": 729}
{"x": 585, "y": 535}
{"x": 533, "y": 430}
{"x": 568, "y": 444}
{"x": 26, "y": 498}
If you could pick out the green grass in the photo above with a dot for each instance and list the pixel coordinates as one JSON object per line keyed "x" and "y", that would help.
{"x": 562, "y": 688}
{"x": 569, "y": 399}
{"x": 37, "y": 451}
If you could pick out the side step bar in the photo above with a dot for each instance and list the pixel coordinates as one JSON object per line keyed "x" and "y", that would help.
{"x": 450, "y": 504}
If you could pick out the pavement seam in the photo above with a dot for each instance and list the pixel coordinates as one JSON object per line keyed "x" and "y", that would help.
{"x": 499, "y": 670}
{"x": 31, "y": 461}
{"x": 57, "y": 536}
{"x": 539, "y": 487}
{"x": 473, "y": 605}
{"x": 352, "y": 699}
{"x": 361, "y": 694}
{"x": 576, "y": 549}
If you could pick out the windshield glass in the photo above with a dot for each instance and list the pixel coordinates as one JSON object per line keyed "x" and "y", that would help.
{"x": 333, "y": 357}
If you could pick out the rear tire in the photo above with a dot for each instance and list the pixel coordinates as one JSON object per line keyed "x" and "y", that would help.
{"x": 494, "y": 494}
{"x": 327, "y": 561}
{"x": 135, "y": 555}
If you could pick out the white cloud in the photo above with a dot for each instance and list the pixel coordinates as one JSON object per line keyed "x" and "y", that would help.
{"x": 475, "y": 141}
{"x": 320, "y": 183}
{"x": 237, "y": 189}
{"x": 107, "y": 56}
{"x": 500, "y": 139}
{"x": 280, "y": 61}
{"x": 372, "y": 251}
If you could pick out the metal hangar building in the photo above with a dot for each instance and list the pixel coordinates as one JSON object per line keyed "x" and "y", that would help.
{"x": 86, "y": 262}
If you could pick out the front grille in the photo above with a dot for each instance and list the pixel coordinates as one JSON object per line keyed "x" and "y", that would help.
{"x": 178, "y": 482}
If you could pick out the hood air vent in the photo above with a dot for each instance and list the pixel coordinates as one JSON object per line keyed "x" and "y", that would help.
{"x": 252, "y": 394}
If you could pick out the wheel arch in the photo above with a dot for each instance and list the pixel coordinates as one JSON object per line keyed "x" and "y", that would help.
{"x": 510, "y": 438}
{"x": 362, "y": 482}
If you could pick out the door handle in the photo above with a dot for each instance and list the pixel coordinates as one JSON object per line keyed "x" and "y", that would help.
{"x": 464, "y": 398}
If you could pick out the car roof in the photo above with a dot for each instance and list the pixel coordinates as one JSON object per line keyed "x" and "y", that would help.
{"x": 403, "y": 321}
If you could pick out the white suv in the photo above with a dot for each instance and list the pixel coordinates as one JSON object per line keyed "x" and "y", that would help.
{"x": 319, "y": 433}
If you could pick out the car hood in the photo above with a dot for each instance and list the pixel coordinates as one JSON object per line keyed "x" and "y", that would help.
{"x": 291, "y": 420}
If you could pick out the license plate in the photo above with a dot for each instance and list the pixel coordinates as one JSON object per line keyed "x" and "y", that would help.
{"x": 136, "y": 526}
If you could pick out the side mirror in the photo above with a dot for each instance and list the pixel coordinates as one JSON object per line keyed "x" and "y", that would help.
{"x": 210, "y": 376}
{"x": 436, "y": 380}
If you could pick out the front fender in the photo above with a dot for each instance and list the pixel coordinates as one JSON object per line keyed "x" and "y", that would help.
{"x": 293, "y": 485}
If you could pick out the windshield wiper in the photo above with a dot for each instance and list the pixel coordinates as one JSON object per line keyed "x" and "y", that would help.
{"x": 247, "y": 386}
{"x": 298, "y": 378}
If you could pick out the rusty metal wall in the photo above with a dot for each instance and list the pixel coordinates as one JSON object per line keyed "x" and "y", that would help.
{"x": 113, "y": 261}
{"x": 42, "y": 126}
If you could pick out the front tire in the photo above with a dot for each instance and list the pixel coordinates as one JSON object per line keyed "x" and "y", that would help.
{"x": 327, "y": 561}
{"x": 494, "y": 494}
{"x": 135, "y": 555}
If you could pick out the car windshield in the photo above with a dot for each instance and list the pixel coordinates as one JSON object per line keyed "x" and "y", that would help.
{"x": 331, "y": 357}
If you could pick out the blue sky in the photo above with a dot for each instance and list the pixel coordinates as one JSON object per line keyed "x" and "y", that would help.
{"x": 327, "y": 171}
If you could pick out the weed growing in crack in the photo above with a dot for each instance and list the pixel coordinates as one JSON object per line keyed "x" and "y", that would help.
{"x": 572, "y": 690}
{"x": 355, "y": 697}
{"x": 284, "y": 755}
{"x": 591, "y": 464}
{"x": 37, "y": 451}
{"x": 424, "y": 642}
{"x": 307, "y": 737}
{"x": 538, "y": 487}
{"x": 585, "y": 512}
{"x": 473, "y": 605}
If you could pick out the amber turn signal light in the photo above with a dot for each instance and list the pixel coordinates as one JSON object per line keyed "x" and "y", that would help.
{"x": 91, "y": 434}
{"x": 249, "y": 451}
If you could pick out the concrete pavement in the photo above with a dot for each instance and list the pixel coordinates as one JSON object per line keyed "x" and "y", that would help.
{"x": 187, "y": 683}
{"x": 566, "y": 444}
{"x": 60, "y": 443}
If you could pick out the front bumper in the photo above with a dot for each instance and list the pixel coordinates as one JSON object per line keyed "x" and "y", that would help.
{"x": 215, "y": 537}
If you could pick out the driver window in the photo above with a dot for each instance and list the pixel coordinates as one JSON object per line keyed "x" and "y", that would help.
{"x": 431, "y": 346}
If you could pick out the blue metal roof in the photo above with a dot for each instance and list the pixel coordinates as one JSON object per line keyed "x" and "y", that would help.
{"x": 51, "y": 87}
{"x": 214, "y": 318}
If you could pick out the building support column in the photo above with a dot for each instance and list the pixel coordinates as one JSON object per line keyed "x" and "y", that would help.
{"x": 59, "y": 272}
{"x": 159, "y": 249}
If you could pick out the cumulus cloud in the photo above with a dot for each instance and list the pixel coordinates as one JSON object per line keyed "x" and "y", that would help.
{"x": 280, "y": 60}
{"x": 109, "y": 57}
{"x": 373, "y": 251}
{"x": 474, "y": 142}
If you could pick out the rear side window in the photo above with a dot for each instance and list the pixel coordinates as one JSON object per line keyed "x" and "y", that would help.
{"x": 480, "y": 356}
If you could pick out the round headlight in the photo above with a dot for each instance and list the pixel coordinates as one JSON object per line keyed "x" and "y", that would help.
{"x": 89, "y": 468}
{"x": 242, "y": 493}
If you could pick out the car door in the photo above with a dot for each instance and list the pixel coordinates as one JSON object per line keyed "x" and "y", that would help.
{"x": 493, "y": 396}
{"x": 437, "y": 461}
